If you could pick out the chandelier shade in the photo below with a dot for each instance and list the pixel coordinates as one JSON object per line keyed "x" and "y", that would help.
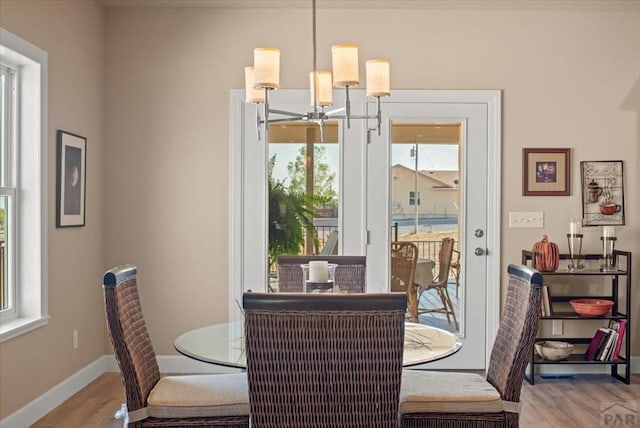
{"x": 266, "y": 65}
{"x": 320, "y": 87}
{"x": 345, "y": 65}
{"x": 252, "y": 95}
{"x": 264, "y": 76}
{"x": 378, "y": 78}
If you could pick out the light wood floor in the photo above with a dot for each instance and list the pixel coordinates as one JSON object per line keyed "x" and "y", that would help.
{"x": 556, "y": 403}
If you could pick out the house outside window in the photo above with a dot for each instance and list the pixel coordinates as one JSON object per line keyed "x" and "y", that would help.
{"x": 412, "y": 197}
{"x": 23, "y": 186}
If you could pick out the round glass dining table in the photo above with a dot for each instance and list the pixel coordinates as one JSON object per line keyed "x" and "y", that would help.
{"x": 223, "y": 344}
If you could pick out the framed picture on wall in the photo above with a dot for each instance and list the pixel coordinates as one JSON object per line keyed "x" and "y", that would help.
{"x": 71, "y": 173}
{"x": 602, "y": 184}
{"x": 546, "y": 172}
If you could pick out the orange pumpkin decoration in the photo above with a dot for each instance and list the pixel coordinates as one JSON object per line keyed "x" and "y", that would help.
{"x": 546, "y": 255}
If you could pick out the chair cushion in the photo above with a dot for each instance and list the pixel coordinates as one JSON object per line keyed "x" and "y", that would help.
{"x": 435, "y": 392}
{"x": 199, "y": 396}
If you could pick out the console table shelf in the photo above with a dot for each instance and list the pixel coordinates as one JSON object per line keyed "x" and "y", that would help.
{"x": 617, "y": 286}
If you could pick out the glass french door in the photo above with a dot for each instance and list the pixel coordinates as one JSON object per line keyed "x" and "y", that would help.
{"x": 427, "y": 179}
{"x": 367, "y": 203}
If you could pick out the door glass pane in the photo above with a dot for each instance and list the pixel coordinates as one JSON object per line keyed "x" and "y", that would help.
{"x": 425, "y": 201}
{"x": 303, "y": 189}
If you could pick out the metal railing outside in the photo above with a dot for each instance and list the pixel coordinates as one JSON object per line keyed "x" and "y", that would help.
{"x": 427, "y": 249}
{"x": 430, "y": 250}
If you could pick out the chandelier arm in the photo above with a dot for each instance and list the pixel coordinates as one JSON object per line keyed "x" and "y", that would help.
{"x": 287, "y": 119}
{"x": 287, "y": 113}
{"x": 347, "y": 106}
{"x": 334, "y": 111}
{"x": 357, "y": 116}
{"x": 379, "y": 116}
{"x": 258, "y": 121}
{"x": 266, "y": 115}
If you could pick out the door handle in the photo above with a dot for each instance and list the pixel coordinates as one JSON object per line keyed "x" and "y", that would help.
{"x": 479, "y": 233}
{"x": 479, "y": 252}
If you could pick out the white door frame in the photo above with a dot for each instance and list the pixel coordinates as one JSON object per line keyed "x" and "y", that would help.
{"x": 247, "y": 270}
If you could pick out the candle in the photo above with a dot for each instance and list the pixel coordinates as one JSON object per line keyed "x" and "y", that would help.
{"x": 575, "y": 227}
{"x": 318, "y": 271}
{"x": 608, "y": 231}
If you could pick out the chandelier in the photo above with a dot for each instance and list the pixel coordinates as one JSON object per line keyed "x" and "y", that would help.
{"x": 264, "y": 76}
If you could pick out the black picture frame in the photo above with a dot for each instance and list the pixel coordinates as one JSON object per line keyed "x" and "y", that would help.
{"x": 602, "y": 188}
{"x": 71, "y": 179}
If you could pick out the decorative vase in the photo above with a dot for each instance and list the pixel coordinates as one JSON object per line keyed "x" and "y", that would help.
{"x": 546, "y": 255}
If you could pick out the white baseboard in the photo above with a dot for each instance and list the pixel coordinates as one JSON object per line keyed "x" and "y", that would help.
{"x": 38, "y": 408}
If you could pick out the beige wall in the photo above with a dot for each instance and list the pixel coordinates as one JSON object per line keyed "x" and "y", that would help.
{"x": 570, "y": 78}
{"x": 72, "y": 34}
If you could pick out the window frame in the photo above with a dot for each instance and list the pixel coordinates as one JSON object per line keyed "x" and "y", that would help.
{"x": 25, "y": 184}
{"x": 7, "y": 183}
{"x": 412, "y": 198}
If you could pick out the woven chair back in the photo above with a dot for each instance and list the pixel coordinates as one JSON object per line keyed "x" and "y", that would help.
{"x": 404, "y": 257}
{"x": 516, "y": 335}
{"x": 129, "y": 337}
{"x": 444, "y": 261}
{"x": 324, "y": 360}
{"x": 350, "y": 274}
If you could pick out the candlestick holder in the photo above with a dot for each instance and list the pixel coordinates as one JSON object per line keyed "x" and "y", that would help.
{"x": 318, "y": 277}
{"x": 608, "y": 238}
{"x": 574, "y": 240}
{"x": 575, "y": 251}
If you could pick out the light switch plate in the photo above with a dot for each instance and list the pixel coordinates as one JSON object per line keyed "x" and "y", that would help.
{"x": 526, "y": 219}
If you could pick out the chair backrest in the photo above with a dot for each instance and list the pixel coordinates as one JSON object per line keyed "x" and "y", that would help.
{"x": 444, "y": 261}
{"x": 455, "y": 260}
{"x": 331, "y": 245}
{"x": 129, "y": 337}
{"x": 516, "y": 335}
{"x": 350, "y": 274}
{"x": 324, "y": 360}
{"x": 404, "y": 257}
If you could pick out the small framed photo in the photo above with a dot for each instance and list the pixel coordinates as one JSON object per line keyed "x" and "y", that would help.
{"x": 602, "y": 193}
{"x": 546, "y": 172}
{"x": 71, "y": 176}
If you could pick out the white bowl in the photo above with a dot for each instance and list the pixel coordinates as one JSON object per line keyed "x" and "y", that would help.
{"x": 553, "y": 350}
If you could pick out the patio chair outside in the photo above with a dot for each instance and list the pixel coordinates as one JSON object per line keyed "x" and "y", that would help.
{"x": 455, "y": 269}
{"x": 404, "y": 257}
{"x": 331, "y": 245}
{"x": 439, "y": 284}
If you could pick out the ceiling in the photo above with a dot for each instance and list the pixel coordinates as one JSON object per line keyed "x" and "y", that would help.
{"x": 568, "y": 5}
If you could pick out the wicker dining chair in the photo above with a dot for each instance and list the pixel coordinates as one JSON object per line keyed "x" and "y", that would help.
{"x": 350, "y": 274}
{"x": 440, "y": 283}
{"x": 169, "y": 401}
{"x": 324, "y": 360}
{"x": 404, "y": 258}
{"x": 441, "y": 399}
